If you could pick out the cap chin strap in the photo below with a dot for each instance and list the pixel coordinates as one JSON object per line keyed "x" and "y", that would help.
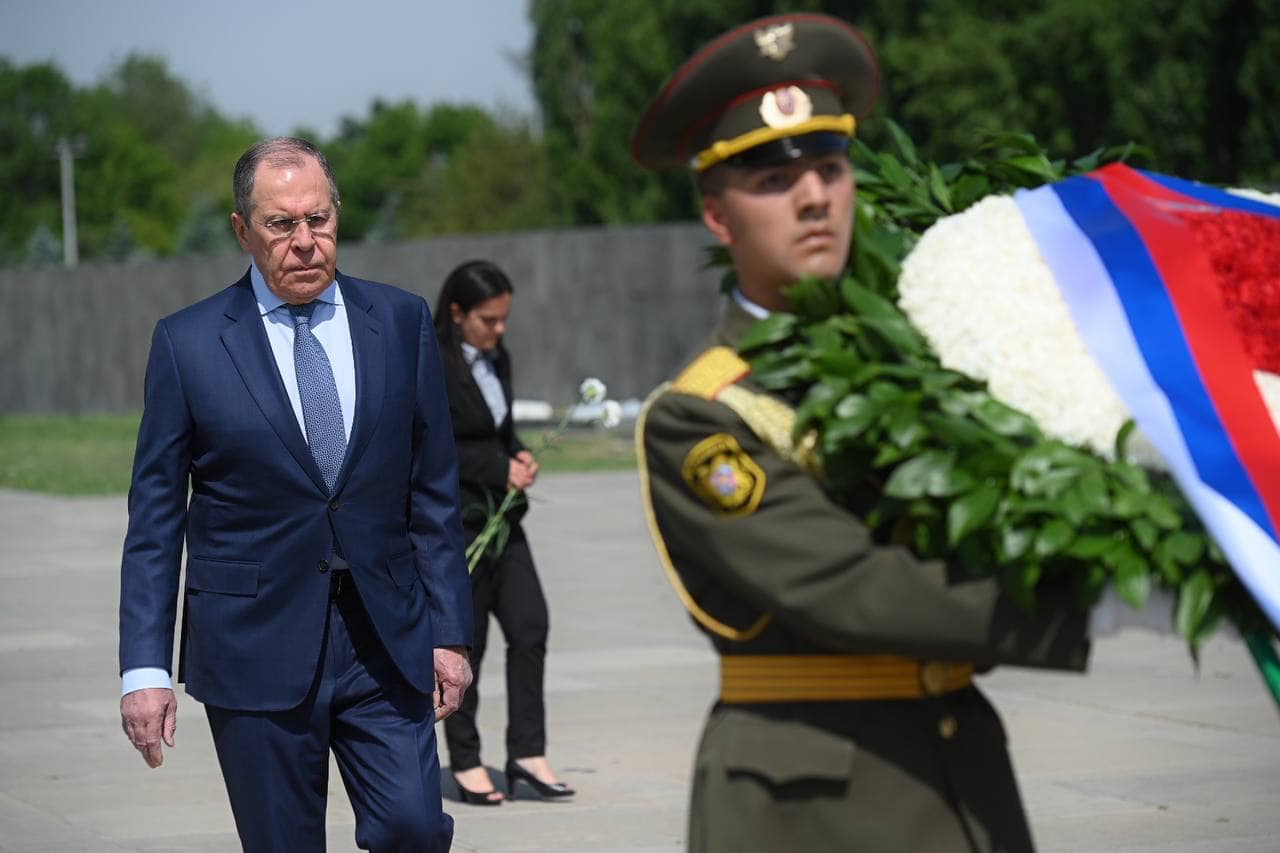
{"x": 726, "y": 148}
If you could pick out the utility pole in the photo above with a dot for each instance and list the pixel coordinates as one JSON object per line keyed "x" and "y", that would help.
{"x": 67, "y": 159}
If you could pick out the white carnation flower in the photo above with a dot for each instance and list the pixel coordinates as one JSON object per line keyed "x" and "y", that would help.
{"x": 592, "y": 390}
{"x": 610, "y": 414}
{"x": 977, "y": 288}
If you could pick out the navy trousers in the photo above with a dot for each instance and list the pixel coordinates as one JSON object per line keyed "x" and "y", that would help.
{"x": 381, "y": 731}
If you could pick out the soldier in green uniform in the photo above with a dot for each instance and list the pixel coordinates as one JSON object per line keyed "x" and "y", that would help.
{"x": 847, "y": 717}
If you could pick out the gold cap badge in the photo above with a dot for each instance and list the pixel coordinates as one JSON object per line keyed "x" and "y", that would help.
{"x": 776, "y": 42}
{"x": 786, "y": 107}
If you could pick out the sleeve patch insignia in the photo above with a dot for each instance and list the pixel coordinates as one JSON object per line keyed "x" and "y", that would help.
{"x": 724, "y": 475}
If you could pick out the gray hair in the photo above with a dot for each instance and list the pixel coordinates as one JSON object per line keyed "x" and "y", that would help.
{"x": 278, "y": 152}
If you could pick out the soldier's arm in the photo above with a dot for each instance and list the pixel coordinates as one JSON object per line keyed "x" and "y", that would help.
{"x": 788, "y": 550}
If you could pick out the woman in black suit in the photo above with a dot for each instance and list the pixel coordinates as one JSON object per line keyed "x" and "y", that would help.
{"x": 471, "y": 317}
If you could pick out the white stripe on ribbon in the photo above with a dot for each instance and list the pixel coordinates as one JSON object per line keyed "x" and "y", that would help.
{"x": 1099, "y": 315}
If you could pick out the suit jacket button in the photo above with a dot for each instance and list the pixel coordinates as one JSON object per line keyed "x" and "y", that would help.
{"x": 333, "y": 504}
{"x": 947, "y": 727}
{"x": 324, "y": 566}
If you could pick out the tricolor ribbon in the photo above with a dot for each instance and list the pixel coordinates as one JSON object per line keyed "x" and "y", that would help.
{"x": 1133, "y": 255}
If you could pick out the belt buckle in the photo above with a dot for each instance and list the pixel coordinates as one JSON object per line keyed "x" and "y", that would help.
{"x": 935, "y": 676}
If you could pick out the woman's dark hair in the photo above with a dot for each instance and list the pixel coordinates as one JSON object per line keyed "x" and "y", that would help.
{"x": 467, "y": 286}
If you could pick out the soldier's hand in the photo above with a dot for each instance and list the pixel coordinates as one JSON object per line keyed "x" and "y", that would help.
{"x": 149, "y": 717}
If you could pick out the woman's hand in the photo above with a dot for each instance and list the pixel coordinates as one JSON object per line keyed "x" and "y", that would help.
{"x": 519, "y": 475}
{"x": 532, "y": 464}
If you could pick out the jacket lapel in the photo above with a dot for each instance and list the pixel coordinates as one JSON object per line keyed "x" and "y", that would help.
{"x": 246, "y": 343}
{"x": 369, "y": 350}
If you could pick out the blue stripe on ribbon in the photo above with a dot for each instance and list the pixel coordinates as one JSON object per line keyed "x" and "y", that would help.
{"x": 1212, "y": 195}
{"x": 1158, "y": 332}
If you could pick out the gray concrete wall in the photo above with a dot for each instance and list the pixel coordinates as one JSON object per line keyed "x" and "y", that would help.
{"x": 625, "y": 304}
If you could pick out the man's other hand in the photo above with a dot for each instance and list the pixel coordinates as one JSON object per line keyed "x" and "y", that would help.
{"x": 150, "y": 716}
{"x": 453, "y": 677}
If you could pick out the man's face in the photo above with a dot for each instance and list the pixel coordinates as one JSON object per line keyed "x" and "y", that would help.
{"x": 298, "y": 259}
{"x": 782, "y": 223}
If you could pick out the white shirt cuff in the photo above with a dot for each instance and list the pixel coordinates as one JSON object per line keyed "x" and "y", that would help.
{"x": 143, "y": 677}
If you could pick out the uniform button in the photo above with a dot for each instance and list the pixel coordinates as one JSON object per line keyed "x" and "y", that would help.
{"x": 933, "y": 677}
{"x": 947, "y": 727}
{"x": 323, "y": 566}
{"x": 333, "y": 504}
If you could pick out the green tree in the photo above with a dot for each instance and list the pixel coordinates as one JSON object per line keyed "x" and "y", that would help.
{"x": 148, "y": 148}
{"x": 35, "y": 109}
{"x": 494, "y": 179}
{"x": 1194, "y": 80}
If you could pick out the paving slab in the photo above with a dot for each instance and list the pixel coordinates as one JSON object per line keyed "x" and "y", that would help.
{"x": 1144, "y": 753}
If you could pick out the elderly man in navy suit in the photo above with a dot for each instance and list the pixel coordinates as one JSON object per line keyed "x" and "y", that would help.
{"x": 296, "y": 431}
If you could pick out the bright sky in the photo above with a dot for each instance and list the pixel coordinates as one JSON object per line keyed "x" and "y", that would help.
{"x": 286, "y": 64}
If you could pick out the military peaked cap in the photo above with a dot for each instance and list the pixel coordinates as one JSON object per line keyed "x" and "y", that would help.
{"x": 771, "y": 90}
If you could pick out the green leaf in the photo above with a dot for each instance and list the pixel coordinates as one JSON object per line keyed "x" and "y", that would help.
{"x": 820, "y": 400}
{"x": 921, "y": 475}
{"x": 1122, "y": 438}
{"x": 1037, "y": 166}
{"x": 813, "y": 298}
{"x": 773, "y": 329}
{"x": 1161, "y": 511}
{"x": 939, "y": 188}
{"x": 955, "y": 431}
{"x": 1014, "y": 542}
{"x": 1194, "y": 598}
{"x": 902, "y": 142}
{"x": 1053, "y": 537}
{"x": 897, "y": 332}
{"x": 971, "y": 511}
{"x": 904, "y": 426}
{"x": 1130, "y": 477}
{"x": 1004, "y": 420}
{"x": 1132, "y": 575}
{"x": 1184, "y": 547}
{"x": 893, "y": 172}
{"x": 853, "y": 415}
{"x": 1145, "y": 532}
{"x": 1090, "y": 546}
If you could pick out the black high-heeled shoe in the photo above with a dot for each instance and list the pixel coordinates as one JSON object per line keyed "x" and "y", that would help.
{"x": 548, "y": 792}
{"x": 478, "y": 798}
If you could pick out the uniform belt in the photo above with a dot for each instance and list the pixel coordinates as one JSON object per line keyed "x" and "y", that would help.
{"x": 836, "y": 678}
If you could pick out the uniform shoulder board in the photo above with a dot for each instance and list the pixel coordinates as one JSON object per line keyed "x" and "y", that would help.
{"x": 711, "y": 372}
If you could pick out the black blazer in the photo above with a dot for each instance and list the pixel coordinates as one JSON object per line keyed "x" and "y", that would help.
{"x": 484, "y": 450}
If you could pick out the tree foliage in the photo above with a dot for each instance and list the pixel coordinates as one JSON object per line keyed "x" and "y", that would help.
{"x": 1195, "y": 80}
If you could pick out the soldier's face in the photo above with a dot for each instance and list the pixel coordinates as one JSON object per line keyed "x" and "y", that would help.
{"x": 782, "y": 223}
{"x": 292, "y": 230}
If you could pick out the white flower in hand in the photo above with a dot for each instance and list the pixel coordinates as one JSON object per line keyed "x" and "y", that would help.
{"x": 611, "y": 414}
{"x": 591, "y": 390}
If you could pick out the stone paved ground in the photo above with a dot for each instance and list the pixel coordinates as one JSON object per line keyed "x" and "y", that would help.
{"x": 1142, "y": 754}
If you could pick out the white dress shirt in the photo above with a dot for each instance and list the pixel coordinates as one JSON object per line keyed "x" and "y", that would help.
{"x": 486, "y": 376}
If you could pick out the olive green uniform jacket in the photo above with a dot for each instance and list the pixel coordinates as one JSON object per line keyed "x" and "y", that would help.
{"x": 768, "y": 565}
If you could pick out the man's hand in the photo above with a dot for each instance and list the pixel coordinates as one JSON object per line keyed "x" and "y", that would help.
{"x": 151, "y": 715}
{"x": 453, "y": 677}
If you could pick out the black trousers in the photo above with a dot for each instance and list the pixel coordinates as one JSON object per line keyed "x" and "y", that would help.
{"x": 508, "y": 588}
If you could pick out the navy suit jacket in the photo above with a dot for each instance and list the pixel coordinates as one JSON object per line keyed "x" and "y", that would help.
{"x": 261, "y": 528}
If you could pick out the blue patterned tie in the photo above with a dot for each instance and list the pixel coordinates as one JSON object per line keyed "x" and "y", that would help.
{"x": 321, "y": 408}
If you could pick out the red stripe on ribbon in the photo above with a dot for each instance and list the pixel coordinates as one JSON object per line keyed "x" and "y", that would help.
{"x": 1225, "y": 367}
